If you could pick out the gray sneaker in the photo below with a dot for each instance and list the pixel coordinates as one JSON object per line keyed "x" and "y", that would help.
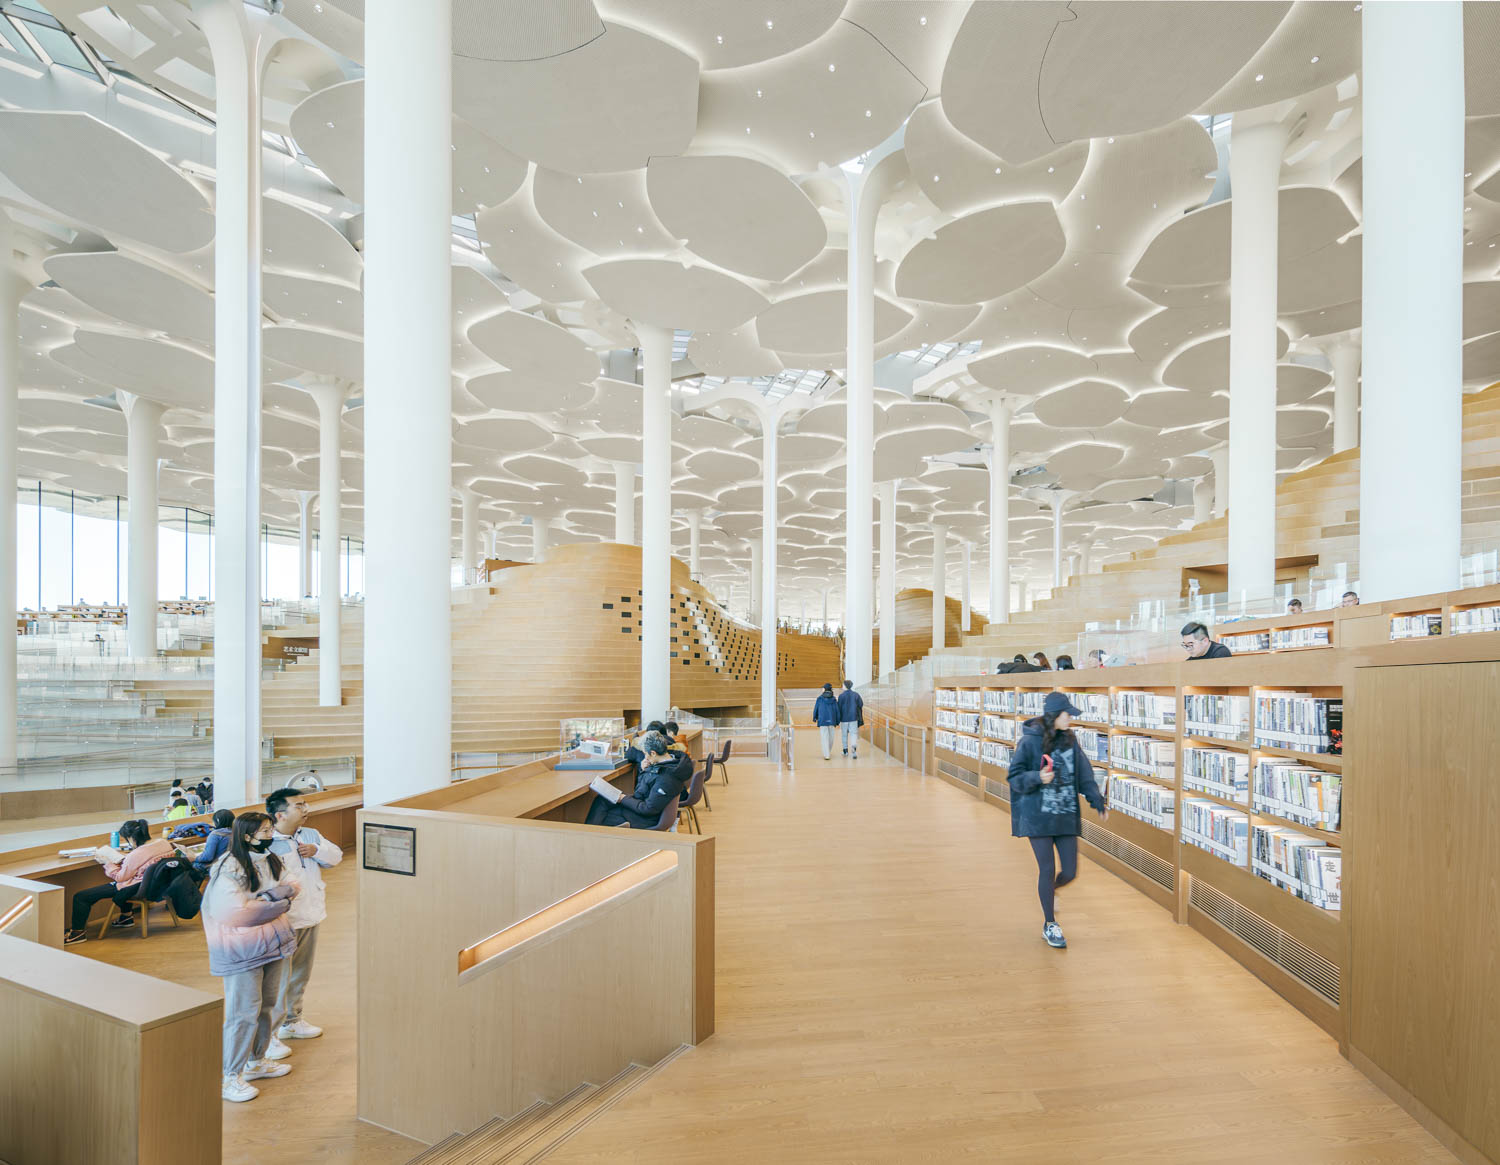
{"x": 1054, "y": 935}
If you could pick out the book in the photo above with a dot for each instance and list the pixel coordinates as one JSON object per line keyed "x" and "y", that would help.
{"x": 1143, "y": 800}
{"x": 1303, "y": 866}
{"x": 1218, "y": 771}
{"x": 1145, "y": 710}
{"x": 1298, "y": 722}
{"x": 1298, "y": 793}
{"x": 1225, "y": 833}
{"x": 606, "y": 790}
{"x": 1416, "y": 626}
{"x": 1475, "y": 619}
{"x": 1143, "y": 754}
{"x": 1216, "y": 716}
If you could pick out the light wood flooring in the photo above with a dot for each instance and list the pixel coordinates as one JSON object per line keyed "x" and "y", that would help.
{"x": 884, "y": 995}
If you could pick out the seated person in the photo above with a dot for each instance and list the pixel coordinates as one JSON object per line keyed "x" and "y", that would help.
{"x": 126, "y": 871}
{"x": 662, "y": 783}
{"x": 674, "y": 734}
{"x": 1349, "y": 599}
{"x": 218, "y": 841}
{"x": 180, "y": 809}
{"x": 1294, "y": 607}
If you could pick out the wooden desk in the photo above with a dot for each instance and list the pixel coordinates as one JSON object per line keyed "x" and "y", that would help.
{"x": 103, "y": 1065}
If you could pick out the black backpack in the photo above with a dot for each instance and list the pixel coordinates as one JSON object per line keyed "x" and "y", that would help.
{"x": 172, "y": 880}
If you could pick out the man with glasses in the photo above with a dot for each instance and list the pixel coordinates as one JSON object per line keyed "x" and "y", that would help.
{"x": 1198, "y": 645}
{"x": 307, "y": 853}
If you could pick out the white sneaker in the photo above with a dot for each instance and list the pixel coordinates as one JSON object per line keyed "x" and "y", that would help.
{"x": 1054, "y": 935}
{"x": 299, "y": 1029}
{"x": 276, "y": 1050}
{"x": 237, "y": 1090}
{"x": 264, "y": 1069}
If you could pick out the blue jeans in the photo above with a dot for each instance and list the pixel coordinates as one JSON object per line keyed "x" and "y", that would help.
{"x": 849, "y": 733}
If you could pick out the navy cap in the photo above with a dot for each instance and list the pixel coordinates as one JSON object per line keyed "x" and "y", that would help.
{"x": 1057, "y": 702}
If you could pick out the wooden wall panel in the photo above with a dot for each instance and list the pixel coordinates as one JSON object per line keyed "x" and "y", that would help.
{"x": 1423, "y": 900}
{"x": 43, "y": 923}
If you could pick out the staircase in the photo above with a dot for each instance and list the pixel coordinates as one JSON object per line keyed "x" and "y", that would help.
{"x": 533, "y": 1133}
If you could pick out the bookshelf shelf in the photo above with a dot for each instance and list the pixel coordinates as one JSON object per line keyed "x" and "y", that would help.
{"x": 1324, "y": 760}
{"x": 1227, "y": 802}
{"x": 1132, "y": 730}
{"x": 1193, "y": 740}
{"x": 1117, "y": 770}
{"x": 1332, "y": 837}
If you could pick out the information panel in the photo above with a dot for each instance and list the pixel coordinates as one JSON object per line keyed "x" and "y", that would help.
{"x": 392, "y": 849}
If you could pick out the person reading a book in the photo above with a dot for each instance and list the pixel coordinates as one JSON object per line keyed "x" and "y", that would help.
{"x": 661, "y": 784}
{"x": 1049, "y": 770}
{"x": 1197, "y": 643}
{"x": 126, "y": 870}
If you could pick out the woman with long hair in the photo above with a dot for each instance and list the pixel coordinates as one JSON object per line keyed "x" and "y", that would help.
{"x": 1040, "y": 660}
{"x": 1048, "y": 772}
{"x": 249, "y": 938}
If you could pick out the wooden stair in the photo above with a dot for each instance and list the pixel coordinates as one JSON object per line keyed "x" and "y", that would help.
{"x": 534, "y": 1132}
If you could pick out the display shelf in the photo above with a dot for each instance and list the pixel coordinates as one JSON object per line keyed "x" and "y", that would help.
{"x": 1474, "y": 619}
{"x": 1417, "y": 625}
{"x": 1326, "y": 760}
{"x": 1137, "y": 730}
{"x": 1224, "y": 802}
{"x": 1332, "y": 837}
{"x": 1315, "y": 928}
{"x": 1193, "y": 740}
{"x": 1224, "y": 853}
{"x": 1165, "y": 782}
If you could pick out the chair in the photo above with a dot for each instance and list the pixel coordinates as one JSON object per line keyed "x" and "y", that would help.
{"x": 687, "y": 803}
{"x": 668, "y": 820}
{"x": 722, "y": 760}
{"x": 142, "y": 907}
{"x": 153, "y": 889}
{"x": 708, "y": 774}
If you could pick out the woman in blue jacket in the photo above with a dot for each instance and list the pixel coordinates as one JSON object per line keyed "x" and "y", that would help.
{"x": 1048, "y": 771}
{"x": 826, "y": 717}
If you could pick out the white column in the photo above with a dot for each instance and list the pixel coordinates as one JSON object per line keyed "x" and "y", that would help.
{"x": 491, "y": 542}
{"x": 755, "y": 583}
{"x": 13, "y": 286}
{"x": 768, "y": 526}
{"x": 1411, "y": 452}
{"x": 1345, "y": 359}
{"x": 624, "y": 503}
{"x": 1000, "y": 414}
{"x": 887, "y": 578}
{"x": 1085, "y": 548}
{"x": 825, "y": 607}
{"x": 964, "y": 583}
{"x": 304, "y": 543}
{"x": 939, "y": 585}
{"x": 468, "y": 540}
{"x": 656, "y": 521}
{"x": 541, "y": 541}
{"x": 236, "y": 37}
{"x": 1255, "y": 148}
{"x": 859, "y": 474}
{"x": 1203, "y": 501}
{"x": 1057, "y": 499}
{"x": 408, "y": 440}
{"x": 695, "y": 537}
{"x": 330, "y": 401}
{"x": 1021, "y": 595}
{"x": 142, "y": 452}
{"x": 1219, "y": 454}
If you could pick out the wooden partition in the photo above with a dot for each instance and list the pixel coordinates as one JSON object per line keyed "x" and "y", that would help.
{"x": 102, "y": 1065}
{"x": 42, "y": 920}
{"x": 627, "y": 976}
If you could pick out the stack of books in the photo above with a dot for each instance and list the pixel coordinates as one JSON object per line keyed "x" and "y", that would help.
{"x": 1299, "y": 637}
{"x": 992, "y": 701}
{"x": 967, "y": 746}
{"x": 1309, "y": 868}
{"x": 1416, "y": 626}
{"x": 1306, "y": 795}
{"x": 1475, "y": 619}
{"x": 945, "y": 698}
{"x": 1299, "y": 722}
{"x": 1218, "y": 771}
{"x": 1143, "y": 754}
{"x": 1248, "y": 643}
{"x": 945, "y": 740}
{"x": 1145, "y": 710}
{"x": 968, "y": 722}
{"x": 1144, "y": 800}
{"x": 1218, "y": 717}
{"x": 1225, "y": 833}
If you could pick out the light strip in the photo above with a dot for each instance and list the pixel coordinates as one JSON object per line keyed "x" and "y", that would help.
{"x": 16, "y": 912}
{"x": 568, "y": 914}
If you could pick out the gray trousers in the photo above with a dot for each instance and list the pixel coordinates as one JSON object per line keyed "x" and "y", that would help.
{"x": 849, "y": 732}
{"x": 252, "y": 1010}
{"x": 298, "y": 973}
{"x": 826, "y": 732}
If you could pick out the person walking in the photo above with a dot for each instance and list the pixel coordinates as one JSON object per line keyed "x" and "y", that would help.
{"x": 250, "y": 940}
{"x": 306, "y": 853}
{"x": 826, "y": 717}
{"x": 1048, "y": 771}
{"x": 851, "y": 717}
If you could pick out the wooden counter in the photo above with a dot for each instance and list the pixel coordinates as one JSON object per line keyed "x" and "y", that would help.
{"x": 103, "y": 1065}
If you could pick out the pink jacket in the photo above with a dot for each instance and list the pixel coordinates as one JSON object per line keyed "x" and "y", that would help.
{"x": 132, "y": 868}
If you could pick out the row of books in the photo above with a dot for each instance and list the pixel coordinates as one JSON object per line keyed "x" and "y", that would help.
{"x": 1095, "y": 745}
{"x": 1306, "y": 866}
{"x": 1290, "y": 637}
{"x": 1220, "y": 717}
{"x": 945, "y": 697}
{"x": 968, "y": 722}
{"x": 945, "y": 740}
{"x": 966, "y": 746}
{"x": 1248, "y": 642}
{"x": 1145, "y": 710}
{"x": 1143, "y": 754}
{"x": 999, "y": 700}
{"x": 1144, "y": 800}
{"x": 969, "y": 698}
{"x": 1475, "y": 619}
{"x": 1029, "y": 703}
{"x": 1218, "y": 771}
{"x": 994, "y": 752}
{"x": 1416, "y": 626}
{"x": 1299, "y": 722}
{"x": 1225, "y": 833}
{"x": 945, "y": 718}
{"x": 1306, "y": 795}
{"x": 1093, "y": 705}
{"x": 998, "y": 728}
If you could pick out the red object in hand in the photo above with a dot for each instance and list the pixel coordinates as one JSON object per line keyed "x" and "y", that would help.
{"x": 1046, "y": 762}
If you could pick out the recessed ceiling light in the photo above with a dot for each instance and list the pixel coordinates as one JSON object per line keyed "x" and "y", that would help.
{"x": 770, "y": 24}
{"x": 1050, "y": 169}
{"x": 329, "y": 124}
{"x": 922, "y": 21}
{"x": 720, "y": 39}
{"x": 1314, "y": 61}
{"x": 747, "y": 129}
{"x": 757, "y": 92}
{"x": 867, "y": 113}
{"x": 937, "y": 178}
{"x": 811, "y": 134}
{"x": 1111, "y": 141}
{"x": 832, "y": 68}
{"x": 1260, "y": 76}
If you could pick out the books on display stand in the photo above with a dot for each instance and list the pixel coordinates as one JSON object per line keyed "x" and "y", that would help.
{"x": 1416, "y": 626}
{"x": 1475, "y": 619}
{"x": 1307, "y": 867}
{"x": 1143, "y": 800}
{"x": 1299, "y": 722}
{"x": 1219, "y": 771}
{"x": 1144, "y": 710}
{"x": 1298, "y": 793}
{"x": 1225, "y": 833}
{"x": 1215, "y": 716}
{"x": 1143, "y": 754}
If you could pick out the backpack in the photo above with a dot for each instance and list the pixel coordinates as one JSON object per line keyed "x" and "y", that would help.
{"x": 195, "y": 829}
{"x": 172, "y": 880}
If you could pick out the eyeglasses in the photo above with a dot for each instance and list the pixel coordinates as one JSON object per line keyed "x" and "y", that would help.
{"x": 1189, "y": 644}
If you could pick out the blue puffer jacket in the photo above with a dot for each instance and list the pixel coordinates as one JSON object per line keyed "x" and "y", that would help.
{"x": 826, "y": 711}
{"x": 1038, "y": 810}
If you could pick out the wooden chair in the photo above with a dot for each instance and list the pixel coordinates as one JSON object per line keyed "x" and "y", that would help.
{"x": 142, "y": 908}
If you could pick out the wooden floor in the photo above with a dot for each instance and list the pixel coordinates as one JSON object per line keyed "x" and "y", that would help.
{"x": 884, "y": 995}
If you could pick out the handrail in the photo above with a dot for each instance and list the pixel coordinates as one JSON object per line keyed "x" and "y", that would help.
{"x": 567, "y": 914}
{"x": 16, "y": 912}
{"x": 903, "y": 731}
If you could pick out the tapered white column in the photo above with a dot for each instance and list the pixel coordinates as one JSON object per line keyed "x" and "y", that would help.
{"x": 304, "y": 543}
{"x": 238, "y": 37}
{"x": 939, "y": 585}
{"x": 1219, "y": 455}
{"x": 491, "y": 541}
{"x": 1203, "y": 501}
{"x": 13, "y": 286}
{"x": 769, "y": 470}
{"x": 1255, "y": 148}
{"x": 826, "y": 591}
{"x": 1344, "y": 356}
{"x": 656, "y": 520}
{"x": 1057, "y": 499}
{"x": 329, "y": 398}
{"x": 1411, "y": 452}
{"x": 468, "y": 540}
{"x": 142, "y": 453}
{"x": 541, "y": 538}
{"x": 408, "y": 671}
{"x": 695, "y": 537}
{"x": 999, "y": 460}
{"x": 624, "y": 503}
{"x": 1085, "y": 551}
{"x": 756, "y": 579}
{"x": 1021, "y": 603}
{"x": 964, "y": 584}
{"x": 887, "y": 578}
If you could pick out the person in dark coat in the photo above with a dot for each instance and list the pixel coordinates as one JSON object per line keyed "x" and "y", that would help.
{"x": 1197, "y": 643}
{"x": 851, "y": 717}
{"x": 1048, "y": 772}
{"x": 826, "y": 717}
{"x": 661, "y": 782}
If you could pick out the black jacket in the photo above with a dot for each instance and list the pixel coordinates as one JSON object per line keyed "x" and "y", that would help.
{"x": 1014, "y": 667}
{"x": 664, "y": 784}
{"x": 851, "y": 707}
{"x": 1038, "y": 810}
{"x": 1217, "y": 651}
